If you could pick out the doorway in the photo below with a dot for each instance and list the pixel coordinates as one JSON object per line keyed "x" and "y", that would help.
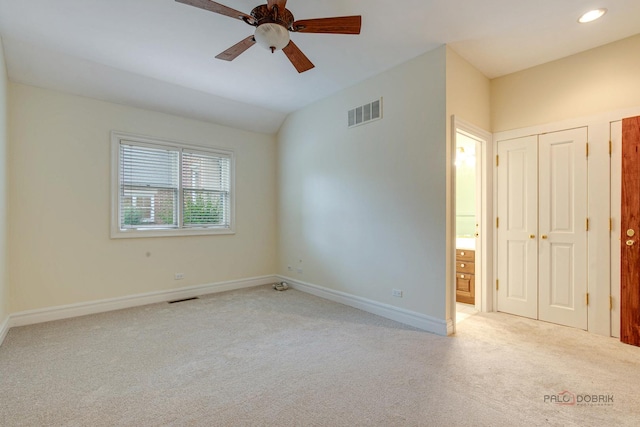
{"x": 467, "y": 220}
{"x": 471, "y": 219}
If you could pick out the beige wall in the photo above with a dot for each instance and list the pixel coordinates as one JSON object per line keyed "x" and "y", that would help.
{"x": 468, "y": 92}
{"x": 596, "y": 81}
{"x": 4, "y": 288}
{"x": 59, "y": 245}
{"x": 364, "y": 208}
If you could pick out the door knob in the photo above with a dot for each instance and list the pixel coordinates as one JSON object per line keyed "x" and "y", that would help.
{"x": 630, "y": 242}
{"x": 532, "y": 236}
{"x": 544, "y": 237}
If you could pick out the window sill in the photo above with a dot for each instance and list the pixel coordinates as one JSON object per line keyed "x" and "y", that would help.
{"x": 129, "y": 234}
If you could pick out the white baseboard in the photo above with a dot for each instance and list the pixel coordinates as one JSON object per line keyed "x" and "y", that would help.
{"x": 74, "y": 310}
{"x": 4, "y": 329}
{"x": 421, "y": 321}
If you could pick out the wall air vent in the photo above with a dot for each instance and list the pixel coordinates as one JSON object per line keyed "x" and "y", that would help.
{"x": 365, "y": 113}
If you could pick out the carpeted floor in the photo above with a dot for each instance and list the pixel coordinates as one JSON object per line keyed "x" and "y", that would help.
{"x": 257, "y": 357}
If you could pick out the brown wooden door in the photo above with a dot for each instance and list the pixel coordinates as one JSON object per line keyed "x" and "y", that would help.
{"x": 630, "y": 239}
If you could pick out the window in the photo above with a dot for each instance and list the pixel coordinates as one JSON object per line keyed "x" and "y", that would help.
{"x": 165, "y": 188}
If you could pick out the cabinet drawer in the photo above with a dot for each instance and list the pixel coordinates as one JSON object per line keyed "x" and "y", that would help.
{"x": 464, "y": 282}
{"x": 465, "y": 288}
{"x": 465, "y": 255}
{"x": 465, "y": 267}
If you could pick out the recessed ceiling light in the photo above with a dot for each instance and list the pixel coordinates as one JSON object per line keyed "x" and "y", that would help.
{"x": 592, "y": 15}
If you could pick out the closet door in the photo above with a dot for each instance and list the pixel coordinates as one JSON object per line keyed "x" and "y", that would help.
{"x": 562, "y": 280}
{"x": 518, "y": 227}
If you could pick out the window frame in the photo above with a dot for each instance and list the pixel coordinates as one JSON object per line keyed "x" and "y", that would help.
{"x": 116, "y": 232}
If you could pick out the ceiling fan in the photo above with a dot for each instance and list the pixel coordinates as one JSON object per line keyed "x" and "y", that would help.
{"x": 273, "y": 23}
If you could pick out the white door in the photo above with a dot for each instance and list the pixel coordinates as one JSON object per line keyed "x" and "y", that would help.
{"x": 562, "y": 279}
{"x": 542, "y": 236}
{"x": 518, "y": 226}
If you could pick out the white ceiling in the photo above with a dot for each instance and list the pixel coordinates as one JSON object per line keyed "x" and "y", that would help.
{"x": 159, "y": 54}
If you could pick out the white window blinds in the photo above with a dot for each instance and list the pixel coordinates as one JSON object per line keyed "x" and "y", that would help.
{"x": 205, "y": 189}
{"x": 149, "y": 186}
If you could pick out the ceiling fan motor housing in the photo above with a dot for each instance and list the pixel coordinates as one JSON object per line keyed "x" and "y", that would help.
{"x": 263, "y": 15}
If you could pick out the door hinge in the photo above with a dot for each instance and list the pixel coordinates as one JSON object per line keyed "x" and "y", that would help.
{"x": 587, "y": 145}
{"x": 497, "y": 285}
{"x": 610, "y": 302}
{"x": 497, "y": 222}
{"x": 587, "y": 298}
{"x": 610, "y": 224}
{"x": 610, "y": 147}
{"x": 497, "y": 160}
{"x": 587, "y": 224}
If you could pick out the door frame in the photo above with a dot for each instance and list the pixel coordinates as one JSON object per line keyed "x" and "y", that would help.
{"x": 615, "y": 136}
{"x": 484, "y": 247}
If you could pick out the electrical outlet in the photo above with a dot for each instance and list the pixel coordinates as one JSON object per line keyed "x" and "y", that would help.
{"x": 178, "y": 276}
{"x": 396, "y": 293}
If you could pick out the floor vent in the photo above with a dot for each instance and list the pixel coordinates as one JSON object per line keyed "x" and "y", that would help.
{"x": 365, "y": 113}
{"x": 183, "y": 300}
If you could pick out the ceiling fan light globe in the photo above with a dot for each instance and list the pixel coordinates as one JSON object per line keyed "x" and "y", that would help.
{"x": 272, "y": 36}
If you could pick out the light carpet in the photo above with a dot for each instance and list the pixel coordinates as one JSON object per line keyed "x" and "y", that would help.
{"x": 258, "y": 357}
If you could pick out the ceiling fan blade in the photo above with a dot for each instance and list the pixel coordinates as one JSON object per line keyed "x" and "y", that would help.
{"x": 280, "y": 3}
{"x": 234, "y": 51}
{"x": 297, "y": 58}
{"x": 217, "y": 8}
{"x": 337, "y": 25}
